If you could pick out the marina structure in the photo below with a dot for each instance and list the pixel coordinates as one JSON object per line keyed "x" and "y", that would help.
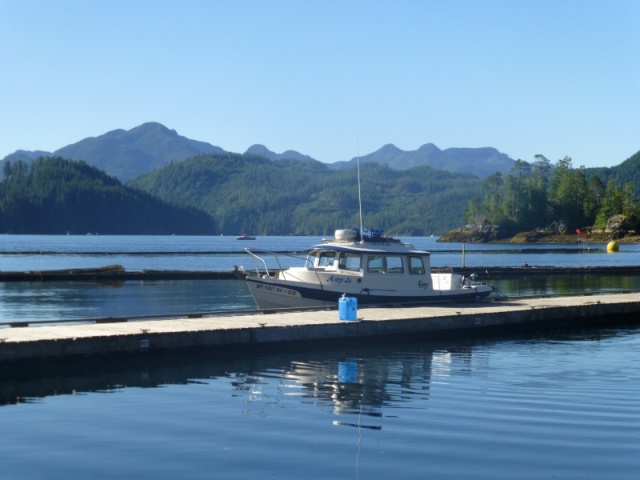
{"x": 21, "y": 341}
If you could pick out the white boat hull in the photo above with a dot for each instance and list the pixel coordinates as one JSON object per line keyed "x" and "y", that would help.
{"x": 273, "y": 293}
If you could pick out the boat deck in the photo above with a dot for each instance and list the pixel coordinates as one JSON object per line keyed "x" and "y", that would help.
{"x": 111, "y": 336}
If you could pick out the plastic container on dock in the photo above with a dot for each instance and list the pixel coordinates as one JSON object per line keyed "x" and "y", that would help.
{"x": 348, "y": 308}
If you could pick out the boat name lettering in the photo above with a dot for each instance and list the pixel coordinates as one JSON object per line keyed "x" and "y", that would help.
{"x": 334, "y": 279}
{"x": 422, "y": 284}
{"x": 276, "y": 289}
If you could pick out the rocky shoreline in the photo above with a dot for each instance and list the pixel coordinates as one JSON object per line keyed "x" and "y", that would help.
{"x": 489, "y": 235}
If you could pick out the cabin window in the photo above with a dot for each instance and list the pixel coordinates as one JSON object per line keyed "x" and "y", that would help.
{"x": 312, "y": 259}
{"x": 385, "y": 264}
{"x": 326, "y": 259}
{"x": 351, "y": 261}
{"x": 375, "y": 265}
{"x": 394, "y": 264}
{"x": 416, "y": 266}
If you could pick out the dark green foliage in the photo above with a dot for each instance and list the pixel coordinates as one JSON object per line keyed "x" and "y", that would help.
{"x": 54, "y": 196}
{"x": 248, "y": 193}
{"x": 627, "y": 172}
{"x": 232, "y": 194}
{"x": 535, "y": 196}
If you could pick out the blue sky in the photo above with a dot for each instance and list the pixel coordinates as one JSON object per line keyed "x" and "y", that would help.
{"x": 330, "y": 79}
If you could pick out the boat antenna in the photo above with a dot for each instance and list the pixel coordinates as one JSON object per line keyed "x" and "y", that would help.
{"x": 359, "y": 192}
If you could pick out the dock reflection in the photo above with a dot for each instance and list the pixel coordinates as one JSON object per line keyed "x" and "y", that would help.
{"x": 356, "y": 380}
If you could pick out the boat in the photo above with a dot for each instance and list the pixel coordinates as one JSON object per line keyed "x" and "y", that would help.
{"x": 363, "y": 264}
{"x": 245, "y": 236}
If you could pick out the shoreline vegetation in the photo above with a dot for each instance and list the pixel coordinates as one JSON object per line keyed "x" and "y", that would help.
{"x": 490, "y": 235}
{"x": 540, "y": 203}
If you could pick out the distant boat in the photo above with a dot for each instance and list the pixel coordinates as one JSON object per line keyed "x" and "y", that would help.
{"x": 245, "y": 236}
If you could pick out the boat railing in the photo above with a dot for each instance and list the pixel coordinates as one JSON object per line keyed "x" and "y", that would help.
{"x": 259, "y": 261}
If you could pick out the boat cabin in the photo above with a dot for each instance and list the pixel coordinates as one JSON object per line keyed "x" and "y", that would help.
{"x": 369, "y": 261}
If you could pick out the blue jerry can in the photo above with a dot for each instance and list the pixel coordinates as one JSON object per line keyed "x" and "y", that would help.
{"x": 348, "y": 308}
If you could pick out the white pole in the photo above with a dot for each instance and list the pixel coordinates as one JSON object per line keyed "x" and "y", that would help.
{"x": 359, "y": 193}
{"x": 463, "y": 255}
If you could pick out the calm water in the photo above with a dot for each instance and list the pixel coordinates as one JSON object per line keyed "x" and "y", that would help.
{"x": 560, "y": 405}
{"x": 23, "y": 301}
{"x": 50, "y": 252}
{"x": 555, "y": 406}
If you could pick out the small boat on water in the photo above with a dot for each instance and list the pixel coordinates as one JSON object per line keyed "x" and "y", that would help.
{"x": 245, "y": 236}
{"x": 375, "y": 269}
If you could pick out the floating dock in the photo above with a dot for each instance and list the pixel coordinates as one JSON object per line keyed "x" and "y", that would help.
{"x": 117, "y": 336}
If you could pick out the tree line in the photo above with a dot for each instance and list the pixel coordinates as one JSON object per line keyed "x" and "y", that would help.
{"x": 558, "y": 197}
{"x": 236, "y": 193}
{"x": 56, "y": 196}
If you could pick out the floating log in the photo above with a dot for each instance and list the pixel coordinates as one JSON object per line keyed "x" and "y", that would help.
{"x": 111, "y": 273}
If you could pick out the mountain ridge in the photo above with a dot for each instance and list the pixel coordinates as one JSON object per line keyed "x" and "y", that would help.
{"x": 126, "y": 154}
{"x": 483, "y": 161}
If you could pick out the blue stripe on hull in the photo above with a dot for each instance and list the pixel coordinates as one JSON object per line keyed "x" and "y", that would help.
{"x": 328, "y": 296}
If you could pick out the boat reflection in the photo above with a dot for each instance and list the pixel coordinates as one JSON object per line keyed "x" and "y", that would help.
{"x": 359, "y": 384}
{"x": 352, "y": 380}
{"x": 350, "y": 386}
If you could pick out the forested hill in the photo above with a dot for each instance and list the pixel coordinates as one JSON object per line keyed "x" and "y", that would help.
{"x": 225, "y": 193}
{"x": 249, "y": 193}
{"x": 627, "y": 172}
{"x": 57, "y": 196}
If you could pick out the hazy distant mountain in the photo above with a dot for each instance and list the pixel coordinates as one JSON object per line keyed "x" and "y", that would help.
{"x": 126, "y": 154}
{"x": 26, "y": 156}
{"x": 266, "y": 153}
{"x": 479, "y": 161}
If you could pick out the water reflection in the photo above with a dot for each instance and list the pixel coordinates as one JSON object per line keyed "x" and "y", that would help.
{"x": 438, "y": 400}
{"x": 552, "y": 404}
{"x": 536, "y": 284}
{"x": 348, "y": 386}
{"x": 351, "y": 380}
{"x": 29, "y": 301}
{"x": 353, "y": 383}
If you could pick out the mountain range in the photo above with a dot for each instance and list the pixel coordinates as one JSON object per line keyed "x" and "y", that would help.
{"x": 481, "y": 162}
{"x": 126, "y": 154}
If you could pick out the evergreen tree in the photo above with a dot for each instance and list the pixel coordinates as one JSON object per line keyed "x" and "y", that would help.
{"x": 535, "y": 195}
{"x": 54, "y": 195}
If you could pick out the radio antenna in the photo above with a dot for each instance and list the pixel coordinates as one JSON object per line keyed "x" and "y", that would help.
{"x": 359, "y": 192}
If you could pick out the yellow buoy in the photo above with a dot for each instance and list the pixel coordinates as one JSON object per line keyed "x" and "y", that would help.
{"x": 612, "y": 247}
